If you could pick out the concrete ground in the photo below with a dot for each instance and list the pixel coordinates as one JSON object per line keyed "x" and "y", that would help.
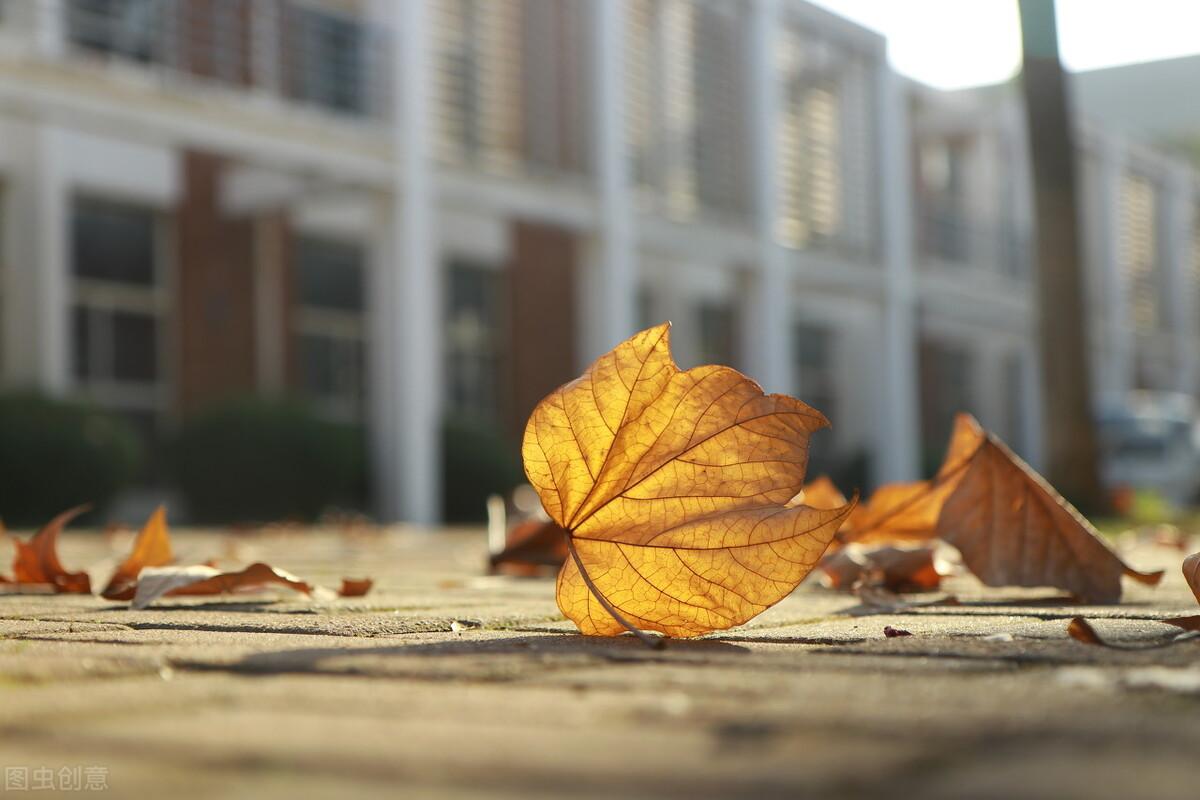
{"x": 444, "y": 682}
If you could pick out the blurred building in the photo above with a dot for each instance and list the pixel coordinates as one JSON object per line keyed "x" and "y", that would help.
{"x": 404, "y": 211}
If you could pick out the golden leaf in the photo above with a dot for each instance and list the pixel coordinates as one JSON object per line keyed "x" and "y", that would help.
{"x": 909, "y": 511}
{"x": 1013, "y": 529}
{"x": 672, "y": 487}
{"x": 152, "y": 548}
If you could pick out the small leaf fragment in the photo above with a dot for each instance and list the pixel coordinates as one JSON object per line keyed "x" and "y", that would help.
{"x": 1082, "y": 631}
{"x": 355, "y": 587}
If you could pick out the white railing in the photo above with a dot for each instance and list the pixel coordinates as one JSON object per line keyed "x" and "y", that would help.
{"x": 299, "y": 52}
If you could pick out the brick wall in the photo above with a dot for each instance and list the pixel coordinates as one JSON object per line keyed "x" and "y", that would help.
{"x": 542, "y": 315}
{"x": 215, "y": 261}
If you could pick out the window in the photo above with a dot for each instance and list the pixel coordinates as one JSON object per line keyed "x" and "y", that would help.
{"x": 825, "y": 139}
{"x": 946, "y": 375}
{"x": 329, "y": 59}
{"x": 1014, "y": 383}
{"x": 816, "y": 379}
{"x": 120, "y": 304}
{"x": 128, "y": 28}
{"x": 814, "y": 367}
{"x": 685, "y": 106}
{"x": 475, "y": 325}
{"x": 511, "y": 84}
{"x": 328, "y": 325}
{"x": 717, "y": 334}
{"x": 944, "y": 230}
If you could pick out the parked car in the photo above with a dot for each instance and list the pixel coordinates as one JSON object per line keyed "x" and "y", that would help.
{"x": 1151, "y": 441}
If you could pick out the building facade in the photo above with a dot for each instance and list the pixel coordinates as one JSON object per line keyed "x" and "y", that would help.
{"x": 404, "y": 211}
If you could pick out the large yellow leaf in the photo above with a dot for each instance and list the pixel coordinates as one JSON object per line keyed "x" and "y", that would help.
{"x": 673, "y": 489}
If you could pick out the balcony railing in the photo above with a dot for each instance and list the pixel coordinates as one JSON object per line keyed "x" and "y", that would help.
{"x": 953, "y": 238}
{"x": 298, "y": 52}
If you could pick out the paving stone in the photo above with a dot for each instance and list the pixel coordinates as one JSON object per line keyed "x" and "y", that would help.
{"x": 279, "y": 696}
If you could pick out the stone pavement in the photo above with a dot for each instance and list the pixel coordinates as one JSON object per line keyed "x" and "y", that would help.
{"x": 385, "y": 695}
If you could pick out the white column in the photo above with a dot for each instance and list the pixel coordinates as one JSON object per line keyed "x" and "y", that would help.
{"x": 899, "y": 422}
{"x": 766, "y": 318}
{"x": 408, "y": 312}
{"x": 1176, "y": 219}
{"x": 609, "y": 298}
{"x": 37, "y": 290}
{"x": 1117, "y": 362}
{"x": 48, "y": 27}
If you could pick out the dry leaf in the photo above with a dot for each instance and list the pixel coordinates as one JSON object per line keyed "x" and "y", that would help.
{"x": 36, "y": 561}
{"x": 1013, "y": 529}
{"x": 896, "y": 569}
{"x": 821, "y": 493}
{"x": 1082, "y": 631}
{"x": 673, "y": 487}
{"x": 352, "y": 587}
{"x": 1191, "y": 573}
{"x": 532, "y": 547}
{"x": 152, "y": 548}
{"x": 909, "y": 511}
{"x": 1187, "y": 623}
{"x": 155, "y": 582}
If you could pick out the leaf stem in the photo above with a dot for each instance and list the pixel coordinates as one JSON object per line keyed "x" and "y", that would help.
{"x": 656, "y": 642}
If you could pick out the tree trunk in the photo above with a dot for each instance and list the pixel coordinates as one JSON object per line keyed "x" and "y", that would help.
{"x": 1071, "y": 453}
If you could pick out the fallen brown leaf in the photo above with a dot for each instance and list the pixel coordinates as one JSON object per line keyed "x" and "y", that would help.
{"x": 355, "y": 587}
{"x": 156, "y": 582}
{"x": 821, "y": 493}
{"x": 673, "y": 487}
{"x": 1082, "y": 631}
{"x": 909, "y": 511}
{"x": 1013, "y": 529}
{"x": 1191, "y": 573}
{"x": 152, "y": 548}
{"x": 1187, "y": 623}
{"x": 896, "y": 569}
{"x": 36, "y": 561}
{"x": 532, "y": 547}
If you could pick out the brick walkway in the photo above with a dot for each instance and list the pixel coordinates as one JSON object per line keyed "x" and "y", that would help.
{"x": 385, "y": 695}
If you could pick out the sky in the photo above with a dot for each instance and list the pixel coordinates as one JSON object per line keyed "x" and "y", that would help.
{"x": 951, "y": 44}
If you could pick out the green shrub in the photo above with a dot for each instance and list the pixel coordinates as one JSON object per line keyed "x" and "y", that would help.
{"x": 477, "y": 461}
{"x": 258, "y": 460}
{"x": 55, "y": 454}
